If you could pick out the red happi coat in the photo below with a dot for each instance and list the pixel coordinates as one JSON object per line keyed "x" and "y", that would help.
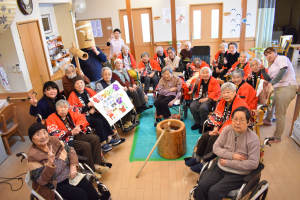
{"x": 214, "y": 89}
{"x": 249, "y": 93}
{"x": 217, "y": 57}
{"x": 154, "y": 64}
{"x": 58, "y": 129}
{"x": 155, "y": 55}
{"x": 75, "y": 104}
{"x": 216, "y": 119}
{"x": 246, "y": 69}
{"x": 132, "y": 60}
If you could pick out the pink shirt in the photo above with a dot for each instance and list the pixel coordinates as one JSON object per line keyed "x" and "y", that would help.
{"x": 115, "y": 46}
{"x": 289, "y": 77}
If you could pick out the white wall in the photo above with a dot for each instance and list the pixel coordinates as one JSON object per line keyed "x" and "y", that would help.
{"x": 49, "y": 9}
{"x": 9, "y": 58}
{"x": 162, "y": 32}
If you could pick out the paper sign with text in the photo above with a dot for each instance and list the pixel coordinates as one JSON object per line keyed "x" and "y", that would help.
{"x": 112, "y": 102}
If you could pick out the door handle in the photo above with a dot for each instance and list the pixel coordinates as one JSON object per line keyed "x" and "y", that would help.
{"x": 42, "y": 79}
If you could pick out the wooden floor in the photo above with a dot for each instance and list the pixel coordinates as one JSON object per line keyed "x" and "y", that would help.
{"x": 170, "y": 180}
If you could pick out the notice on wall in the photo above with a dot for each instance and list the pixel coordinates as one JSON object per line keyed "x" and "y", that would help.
{"x": 112, "y": 102}
{"x": 97, "y": 28}
{"x": 180, "y": 15}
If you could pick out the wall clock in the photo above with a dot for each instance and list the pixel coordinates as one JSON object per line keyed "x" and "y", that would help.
{"x": 25, "y": 6}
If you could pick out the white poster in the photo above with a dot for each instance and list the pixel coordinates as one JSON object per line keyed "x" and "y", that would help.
{"x": 180, "y": 15}
{"x": 112, "y": 102}
{"x": 97, "y": 28}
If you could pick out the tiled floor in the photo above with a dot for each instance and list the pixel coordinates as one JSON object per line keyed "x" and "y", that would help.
{"x": 171, "y": 180}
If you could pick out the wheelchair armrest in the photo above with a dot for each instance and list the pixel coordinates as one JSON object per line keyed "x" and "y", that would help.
{"x": 82, "y": 159}
{"x": 252, "y": 174}
{"x": 208, "y": 157}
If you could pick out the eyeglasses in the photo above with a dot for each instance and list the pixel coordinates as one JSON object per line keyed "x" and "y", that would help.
{"x": 238, "y": 120}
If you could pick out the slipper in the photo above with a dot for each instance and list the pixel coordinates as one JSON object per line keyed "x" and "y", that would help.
{"x": 197, "y": 168}
{"x": 191, "y": 162}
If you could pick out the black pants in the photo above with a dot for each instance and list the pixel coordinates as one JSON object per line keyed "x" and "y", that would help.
{"x": 137, "y": 96}
{"x": 215, "y": 74}
{"x": 216, "y": 183}
{"x": 161, "y": 105}
{"x": 147, "y": 81}
{"x": 206, "y": 144}
{"x": 83, "y": 191}
{"x": 102, "y": 127}
{"x": 200, "y": 111}
{"x": 89, "y": 146}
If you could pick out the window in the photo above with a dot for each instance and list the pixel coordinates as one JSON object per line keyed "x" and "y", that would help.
{"x": 126, "y": 28}
{"x": 145, "y": 27}
{"x": 197, "y": 24}
{"x": 215, "y": 23}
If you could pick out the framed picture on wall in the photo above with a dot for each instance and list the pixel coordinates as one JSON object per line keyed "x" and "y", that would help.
{"x": 46, "y": 20}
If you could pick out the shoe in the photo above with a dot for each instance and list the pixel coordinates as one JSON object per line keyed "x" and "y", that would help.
{"x": 129, "y": 123}
{"x": 106, "y": 148}
{"x": 201, "y": 129}
{"x": 273, "y": 119}
{"x": 266, "y": 122}
{"x": 275, "y": 140}
{"x": 191, "y": 162}
{"x": 98, "y": 175}
{"x": 139, "y": 110}
{"x": 197, "y": 168}
{"x": 101, "y": 169}
{"x": 195, "y": 127}
{"x": 145, "y": 107}
{"x": 114, "y": 142}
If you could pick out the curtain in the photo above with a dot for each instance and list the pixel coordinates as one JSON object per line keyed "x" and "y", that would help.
{"x": 266, "y": 15}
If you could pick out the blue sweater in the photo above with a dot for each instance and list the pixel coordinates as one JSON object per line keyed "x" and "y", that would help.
{"x": 43, "y": 108}
{"x": 92, "y": 66}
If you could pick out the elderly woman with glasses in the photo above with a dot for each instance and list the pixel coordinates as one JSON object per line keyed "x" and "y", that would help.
{"x": 206, "y": 90}
{"x": 255, "y": 72}
{"x": 282, "y": 77}
{"x": 244, "y": 89}
{"x": 159, "y": 56}
{"x": 174, "y": 62}
{"x": 128, "y": 62}
{"x": 168, "y": 89}
{"x": 71, "y": 128}
{"x": 71, "y": 72}
{"x": 220, "y": 61}
{"x": 220, "y": 118}
{"x": 50, "y": 160}
{"x": 238, "y": 149}
{"x": 241, "y": 64}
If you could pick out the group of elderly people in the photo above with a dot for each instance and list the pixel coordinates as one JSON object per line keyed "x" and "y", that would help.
{"x": 70, "y": 121}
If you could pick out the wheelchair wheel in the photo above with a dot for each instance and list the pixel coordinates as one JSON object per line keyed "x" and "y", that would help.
{"x": 32, "y": 197}
{"x": 263, "y": 195}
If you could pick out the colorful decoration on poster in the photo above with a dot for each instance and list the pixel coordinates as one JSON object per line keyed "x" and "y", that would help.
{"x": 112, "y": 102}
{"x": 180, "y": 15}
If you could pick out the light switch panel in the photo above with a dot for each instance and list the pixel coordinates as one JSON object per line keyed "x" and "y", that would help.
{"x": 18, "y": 67}
{"x": 9, "y": 69}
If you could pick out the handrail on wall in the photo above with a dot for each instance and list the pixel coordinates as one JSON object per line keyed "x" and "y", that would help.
{"x": 19, "y": 98}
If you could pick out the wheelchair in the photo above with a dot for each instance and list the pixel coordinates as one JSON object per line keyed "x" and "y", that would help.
{"x": 252, "y": 188}
{"x": 202, "y": 52}
{"x": 103, "y": 191}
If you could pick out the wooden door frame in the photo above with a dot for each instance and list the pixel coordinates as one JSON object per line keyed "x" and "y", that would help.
{"x": 42, "y": 41}
{"x": 200, "y": 4}
{"x": 151, "y": 21}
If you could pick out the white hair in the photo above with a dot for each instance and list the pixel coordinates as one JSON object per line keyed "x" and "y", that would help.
{"x": 206, "y": 68}
{"x": 124, "y": 46}
{"x": 238, "y": 72}
{"x": 229, "y": 86}
{"x": 254, "y": 60}
{"x": 62, "y": 102}
{"x": 188, "y": 43}
{"x": 68, "y": 67}
{"x": 106, "y": 68}
{"x": 225, "y": 45}
{"x": 247, "y": 54}
{"x": 159, "y": 49}
{"x": 197, "y": 61}
{"x": 167, "y": 68}
{"x": 118, "y": 59}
